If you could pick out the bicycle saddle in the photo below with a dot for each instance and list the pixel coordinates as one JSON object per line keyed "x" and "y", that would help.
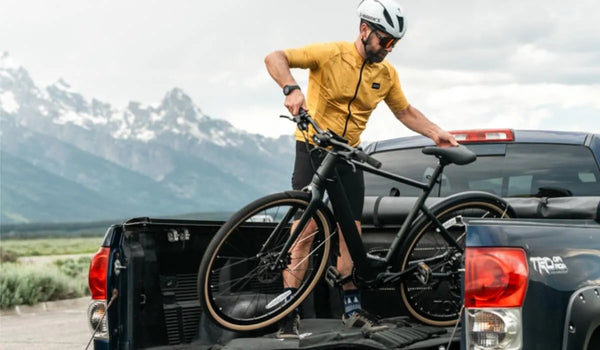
{"x": 460, "y": 155}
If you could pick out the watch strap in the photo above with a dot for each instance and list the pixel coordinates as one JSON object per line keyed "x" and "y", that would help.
{"x": 289, "y": 88}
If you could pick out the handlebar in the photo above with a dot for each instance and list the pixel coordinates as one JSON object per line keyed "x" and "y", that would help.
{"x": 329, "y": 138}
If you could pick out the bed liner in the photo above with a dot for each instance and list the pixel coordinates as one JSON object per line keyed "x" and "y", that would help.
{"x": 319, "y": 333}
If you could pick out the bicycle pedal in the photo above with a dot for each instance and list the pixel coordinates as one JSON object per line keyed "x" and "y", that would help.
{"x": 423, "y": 273}
{"x": 335, "y": 279}
{"x": 332, "y": 276}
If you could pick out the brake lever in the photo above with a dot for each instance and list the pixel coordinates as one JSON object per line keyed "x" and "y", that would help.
{"x": 302, "y": 125}
{"x": 352, "y": 165}
{"x": 348, "y": 159}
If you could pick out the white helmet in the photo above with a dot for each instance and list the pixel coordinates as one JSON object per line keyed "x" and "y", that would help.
{"x": 384, "y": 15}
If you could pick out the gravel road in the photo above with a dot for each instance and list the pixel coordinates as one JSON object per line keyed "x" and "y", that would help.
{"x": 51, "y": 325}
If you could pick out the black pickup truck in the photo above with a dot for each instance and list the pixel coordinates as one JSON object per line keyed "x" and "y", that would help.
{"x": 532, "y": 282}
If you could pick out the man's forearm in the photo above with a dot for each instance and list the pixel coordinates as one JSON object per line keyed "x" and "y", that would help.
{"x": 279, "y": 68}
{"x": 417, "y": 122}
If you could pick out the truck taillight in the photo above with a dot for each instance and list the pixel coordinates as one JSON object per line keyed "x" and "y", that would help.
{"x": 97, "y": 273}
{"x": 489, "y": 135}
{"x": 495, "y": 277}
{"x": 97, "y": 283}
{"x": 495, "y": 286}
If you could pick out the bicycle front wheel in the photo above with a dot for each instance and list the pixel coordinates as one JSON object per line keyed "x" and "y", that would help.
{"x": 240, "y": 277}
{"x": 438, "y": 301}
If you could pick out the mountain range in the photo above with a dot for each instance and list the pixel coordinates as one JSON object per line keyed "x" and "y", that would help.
{"x": 67, "y": 158}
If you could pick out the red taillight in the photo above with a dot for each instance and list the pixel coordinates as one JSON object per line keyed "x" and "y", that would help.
{"x": 97, "y": 274}
{"x": 495, "y": 277}
{"x": 489, "y": 135}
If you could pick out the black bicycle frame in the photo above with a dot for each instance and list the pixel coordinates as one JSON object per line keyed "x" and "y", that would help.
{"x": 366, "y": 266}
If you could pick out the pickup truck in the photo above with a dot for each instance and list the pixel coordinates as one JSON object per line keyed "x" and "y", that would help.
{"x": 531, "y": 282}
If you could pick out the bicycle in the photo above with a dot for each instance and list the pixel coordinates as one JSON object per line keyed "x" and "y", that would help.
{"x": 240, "y": 276}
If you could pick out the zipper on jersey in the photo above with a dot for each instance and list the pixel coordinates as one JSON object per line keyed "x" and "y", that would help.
{"x": 354, "y": 97}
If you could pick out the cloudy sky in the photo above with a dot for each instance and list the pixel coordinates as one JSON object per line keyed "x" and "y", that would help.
{"x": 464, "y": 63}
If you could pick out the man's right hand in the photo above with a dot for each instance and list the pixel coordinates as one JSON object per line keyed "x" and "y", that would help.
{"x": 294, "y": 101}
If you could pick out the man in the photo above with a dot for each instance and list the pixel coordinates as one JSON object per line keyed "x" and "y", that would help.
{"x": 346, "y": 82}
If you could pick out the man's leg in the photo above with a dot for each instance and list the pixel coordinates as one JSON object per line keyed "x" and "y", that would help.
{"x": 354, "y": 314}
{"x": 351, "y": 294}
{"x": 293, "y": 275}
{"x": 344, "y": 263}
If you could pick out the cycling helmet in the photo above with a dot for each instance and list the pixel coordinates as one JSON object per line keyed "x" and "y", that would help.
{"x": 383, "y": 15}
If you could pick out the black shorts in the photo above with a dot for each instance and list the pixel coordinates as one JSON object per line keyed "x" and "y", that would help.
{"x": 352, "y": 180}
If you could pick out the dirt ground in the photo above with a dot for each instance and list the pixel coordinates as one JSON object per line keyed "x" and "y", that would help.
{"x": 50, "y": 325}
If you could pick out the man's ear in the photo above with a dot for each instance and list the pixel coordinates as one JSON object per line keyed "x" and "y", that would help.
{"x": 364, "y": 30}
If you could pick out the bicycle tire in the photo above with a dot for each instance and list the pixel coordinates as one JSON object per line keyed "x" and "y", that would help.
{"x": 236, "y": 290}
{"x": 438, "y": 303}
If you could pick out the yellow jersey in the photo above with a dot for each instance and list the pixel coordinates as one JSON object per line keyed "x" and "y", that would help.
{"x": 343, "y": 89}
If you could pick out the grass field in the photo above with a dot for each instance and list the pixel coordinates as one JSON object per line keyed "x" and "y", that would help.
{"x": 51, "y": 246}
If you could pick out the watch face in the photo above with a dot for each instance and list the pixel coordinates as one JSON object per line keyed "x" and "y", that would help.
{"x": 289, "y": 88}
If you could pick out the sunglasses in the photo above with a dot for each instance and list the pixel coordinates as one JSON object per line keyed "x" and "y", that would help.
{"x": 385, "y": 41}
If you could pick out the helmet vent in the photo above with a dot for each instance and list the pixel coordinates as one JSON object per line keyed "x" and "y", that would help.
{"x": 388, "y": 19}
{"x": 400, "y": 23}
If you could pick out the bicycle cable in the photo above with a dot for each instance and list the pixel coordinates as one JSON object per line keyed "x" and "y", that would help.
{"x": 309, "y": 151}
{"x": 462, "y": 308}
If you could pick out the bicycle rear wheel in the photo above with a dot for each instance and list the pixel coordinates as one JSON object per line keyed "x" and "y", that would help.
{"x": 439, "y": 301}
{"x": 240, "y": 277}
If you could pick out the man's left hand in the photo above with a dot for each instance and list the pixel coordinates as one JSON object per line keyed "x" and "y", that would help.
{"x": 445, "y": 139}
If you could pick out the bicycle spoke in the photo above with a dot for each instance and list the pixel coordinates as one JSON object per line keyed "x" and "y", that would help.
{"x": 278, "y": 229}
{"x": 293, "y": 273}
{"x": 236, "y": 280}
{"x": 314, "y": 250}
{"x": 302, "y": 239}
{"x": 230, "y": 245}
{"x": 243, "y": 260}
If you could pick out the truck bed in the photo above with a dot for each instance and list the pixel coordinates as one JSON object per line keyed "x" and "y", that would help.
{"x": 160, "y": 306}
{"x": 318, "y": 333}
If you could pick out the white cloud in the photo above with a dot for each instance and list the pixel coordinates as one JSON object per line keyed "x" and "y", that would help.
{"x": 530, "y": 55}
{"x": 464, "y": 63}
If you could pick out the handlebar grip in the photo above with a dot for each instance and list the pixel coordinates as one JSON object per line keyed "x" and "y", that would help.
{"x": 368, "y": 159}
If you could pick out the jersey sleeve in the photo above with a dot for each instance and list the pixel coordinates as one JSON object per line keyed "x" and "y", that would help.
{"x": 395, "y": 98}
{"x": 308, "y": 57}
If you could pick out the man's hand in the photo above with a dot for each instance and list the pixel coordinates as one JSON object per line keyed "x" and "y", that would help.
{"x": 295, "y": 101}
{"x": 444, "y": 139}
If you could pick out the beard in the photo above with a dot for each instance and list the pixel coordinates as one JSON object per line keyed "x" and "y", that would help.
{"x": 375, "y": 56}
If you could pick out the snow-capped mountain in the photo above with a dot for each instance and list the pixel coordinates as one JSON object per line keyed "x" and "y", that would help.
{"x": 68, "y": 158}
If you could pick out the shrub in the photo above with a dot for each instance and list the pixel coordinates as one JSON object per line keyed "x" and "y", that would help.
{"x": 7, "y": 255}
{"x": 74, "y": 268}
{"x": 30, "y": 284}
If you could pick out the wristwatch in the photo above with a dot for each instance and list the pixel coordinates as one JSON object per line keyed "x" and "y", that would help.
{"x": 289, "y": 88}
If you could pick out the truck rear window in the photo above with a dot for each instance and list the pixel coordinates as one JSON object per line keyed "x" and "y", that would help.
{"x": 508, "y": 170}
